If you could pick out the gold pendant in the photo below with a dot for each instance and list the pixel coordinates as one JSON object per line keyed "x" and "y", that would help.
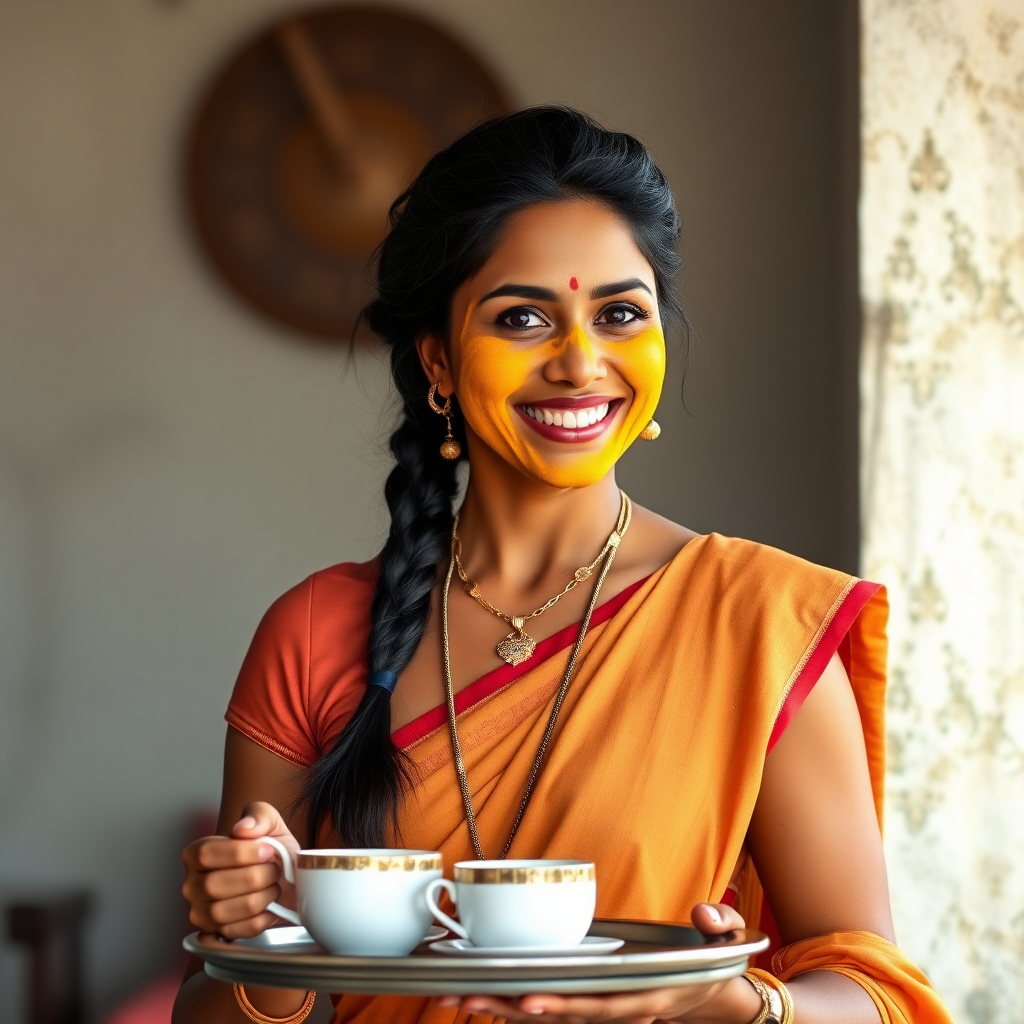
{"x": 518, "y": 646}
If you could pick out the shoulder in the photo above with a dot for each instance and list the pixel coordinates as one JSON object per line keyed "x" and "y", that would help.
{"x": 302, "y": 675}
{"x": 791, "y": 616}
{"x": 747, "y": 567}
{"x": 726, "y": 569}
{"x": 339, "y": 592}
{"x": 747, "y": 594}
{"x": 350, "y": 576}
{"x": 314, "y": 632}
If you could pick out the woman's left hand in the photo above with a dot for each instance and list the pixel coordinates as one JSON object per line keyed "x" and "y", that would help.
{"x": 724, "y": 1002}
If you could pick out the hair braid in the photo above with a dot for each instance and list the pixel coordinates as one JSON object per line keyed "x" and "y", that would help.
{"x": 357, "y": 785}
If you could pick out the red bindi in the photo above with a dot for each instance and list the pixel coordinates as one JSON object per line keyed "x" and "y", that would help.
{"x": 573, "y": 283}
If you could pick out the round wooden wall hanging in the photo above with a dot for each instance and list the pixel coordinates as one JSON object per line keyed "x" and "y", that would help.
{"x": 304, "y": 139}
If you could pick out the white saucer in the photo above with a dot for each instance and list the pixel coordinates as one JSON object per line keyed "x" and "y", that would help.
{"x": 295, "y": 939}
{"x": 591, "y": 945}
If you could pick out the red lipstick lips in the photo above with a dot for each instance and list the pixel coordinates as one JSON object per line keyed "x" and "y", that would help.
{"x": 571, "y": 420}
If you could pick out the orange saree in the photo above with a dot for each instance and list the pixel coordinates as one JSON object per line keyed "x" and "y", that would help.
{"x": 685, "y": 682}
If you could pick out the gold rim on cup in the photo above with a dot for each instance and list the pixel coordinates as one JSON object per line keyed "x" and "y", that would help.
{"x": 386, "y": 860}
{"x": 555, "y": 872}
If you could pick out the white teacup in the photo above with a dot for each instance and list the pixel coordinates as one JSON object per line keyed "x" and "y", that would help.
{"x": 361, "y": 902}
{"x": 520, "y": 903}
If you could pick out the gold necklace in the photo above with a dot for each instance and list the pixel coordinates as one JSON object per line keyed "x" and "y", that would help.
{"x": 519, "y": 646}
{"x": 608, "y": 553}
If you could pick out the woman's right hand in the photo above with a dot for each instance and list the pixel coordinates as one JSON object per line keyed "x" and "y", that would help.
{"x": 230, "y": 881}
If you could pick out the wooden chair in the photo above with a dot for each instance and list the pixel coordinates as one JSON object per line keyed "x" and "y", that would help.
{"x": 51, "y": 927}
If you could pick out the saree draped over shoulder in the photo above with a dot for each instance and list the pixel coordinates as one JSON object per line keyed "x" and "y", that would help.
{"x": 686, "y": 681}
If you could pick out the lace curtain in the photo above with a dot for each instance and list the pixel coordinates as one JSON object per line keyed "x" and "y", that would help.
{"x": 942, "y": 381}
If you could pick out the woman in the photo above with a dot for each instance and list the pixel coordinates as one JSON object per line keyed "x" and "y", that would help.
{"x": 723, "y": 711}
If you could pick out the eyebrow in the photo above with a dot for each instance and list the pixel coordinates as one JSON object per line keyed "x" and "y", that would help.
{"x": 522, "y": 291}
{"x": 604, "y": 290}
{"x": 531, "y": 291}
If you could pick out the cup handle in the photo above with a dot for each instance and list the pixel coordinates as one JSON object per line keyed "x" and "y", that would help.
{"x": 289, "y": 875}
{"x": 449, "y": 887}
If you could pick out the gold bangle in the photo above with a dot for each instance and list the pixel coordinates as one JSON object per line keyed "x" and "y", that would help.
{"x": 784, "y": 1011}
{"x": 762, "y": 990}
{"x": 788, "y": 1013}
{"x": 261, "y": 1018}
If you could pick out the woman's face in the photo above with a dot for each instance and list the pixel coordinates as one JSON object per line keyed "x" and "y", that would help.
{"x": 557, "y": 353}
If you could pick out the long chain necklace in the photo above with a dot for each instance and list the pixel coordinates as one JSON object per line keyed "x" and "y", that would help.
{"x": 519, "y": 646}
{"x": 608, "y": 554}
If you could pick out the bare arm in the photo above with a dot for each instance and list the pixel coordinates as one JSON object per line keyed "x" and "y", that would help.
{"x": 816, "y": 843}
{"x": 228, "y": 882}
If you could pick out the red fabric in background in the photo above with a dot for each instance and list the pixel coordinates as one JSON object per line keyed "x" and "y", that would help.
{"x": 152, "y": 1005}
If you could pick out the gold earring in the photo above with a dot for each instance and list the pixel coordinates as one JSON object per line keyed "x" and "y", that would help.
{"x": 450, "y": 448}
{"x": 651, "y": 432}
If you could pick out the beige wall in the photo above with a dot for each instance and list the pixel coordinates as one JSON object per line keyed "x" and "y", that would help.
{"x": 169, "y": 463}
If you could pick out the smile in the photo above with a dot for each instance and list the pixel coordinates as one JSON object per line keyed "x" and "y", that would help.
{"x": 571, "y": 419}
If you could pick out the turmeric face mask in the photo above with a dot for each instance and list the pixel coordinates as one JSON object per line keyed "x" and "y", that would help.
{"x": 568, "y": 439}
{"x": 560, "y": 374}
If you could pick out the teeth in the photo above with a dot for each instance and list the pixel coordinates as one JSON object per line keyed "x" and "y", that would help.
{"x": 569, "y": 418}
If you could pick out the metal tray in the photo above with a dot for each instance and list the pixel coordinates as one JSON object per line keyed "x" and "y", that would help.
{"x": 654, "y": 956}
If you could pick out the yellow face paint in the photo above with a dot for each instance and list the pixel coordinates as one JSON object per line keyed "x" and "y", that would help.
{"x": 494, "y": 375}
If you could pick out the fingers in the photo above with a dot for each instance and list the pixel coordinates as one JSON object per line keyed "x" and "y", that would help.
{"x": 230, "y": 881}
{"x": 263, "y": 819}
{"x": 242, "y": 915}
{"x": 716, "y": 918}
{"x": 214, "y": 853}
{"x": 245, "y": 929}
{"x": 222, "y": 885}
{"x": 507, "y": 1010}
{"x": 241, "y": 908}
{"x": 632, "y": 1007}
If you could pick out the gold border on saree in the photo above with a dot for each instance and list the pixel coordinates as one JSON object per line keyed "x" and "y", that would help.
{"x": 372, "y": 862}
{"x": 525, "y": 876}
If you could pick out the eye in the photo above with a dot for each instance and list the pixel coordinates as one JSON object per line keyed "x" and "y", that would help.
{"x": 619, "y": 314}
{"x": 522, "y": 318}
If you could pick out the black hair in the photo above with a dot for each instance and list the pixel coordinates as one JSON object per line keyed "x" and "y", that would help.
{"x": 443, "y": 229}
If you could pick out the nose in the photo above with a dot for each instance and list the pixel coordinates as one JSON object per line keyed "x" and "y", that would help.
{"x": 575, "y": 361}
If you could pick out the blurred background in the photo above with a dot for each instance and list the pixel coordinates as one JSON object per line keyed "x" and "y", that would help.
{"x": 180, "y": 443}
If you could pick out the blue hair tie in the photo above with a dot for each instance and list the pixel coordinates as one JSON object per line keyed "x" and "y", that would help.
{"x": 385, "y": 680}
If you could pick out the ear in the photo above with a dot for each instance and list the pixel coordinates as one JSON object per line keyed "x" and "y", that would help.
{"x": 434, "y": 360}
